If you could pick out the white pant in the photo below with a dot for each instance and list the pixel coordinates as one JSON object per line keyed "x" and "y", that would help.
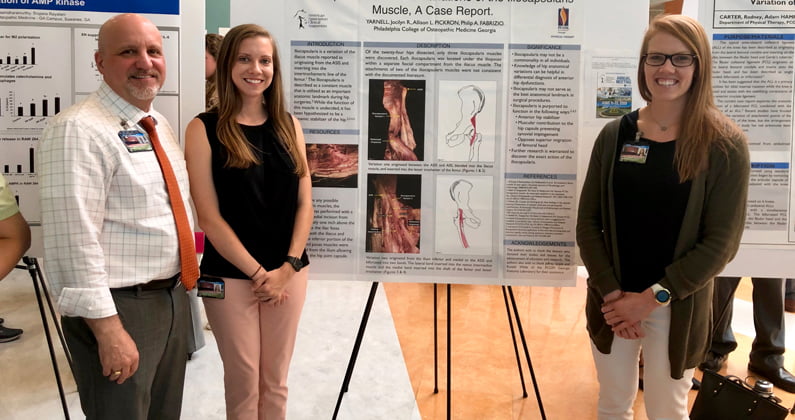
{"x": 665, "y": 397}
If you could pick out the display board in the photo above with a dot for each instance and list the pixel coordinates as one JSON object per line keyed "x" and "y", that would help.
{"x": 47, "y": 64}
{"x": 753, "y": 47}
{"x": 445, "y": 138}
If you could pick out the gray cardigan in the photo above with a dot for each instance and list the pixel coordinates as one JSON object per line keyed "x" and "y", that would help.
{"x": 709, "y": 238}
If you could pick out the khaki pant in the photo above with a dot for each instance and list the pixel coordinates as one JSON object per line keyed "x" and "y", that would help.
{"x": 256, "y": 342}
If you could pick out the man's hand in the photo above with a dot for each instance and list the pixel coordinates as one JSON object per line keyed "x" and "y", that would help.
{"x": 118, "y": 353}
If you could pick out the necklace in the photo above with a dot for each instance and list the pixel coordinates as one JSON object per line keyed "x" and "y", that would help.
{"x": 663, "y": 127}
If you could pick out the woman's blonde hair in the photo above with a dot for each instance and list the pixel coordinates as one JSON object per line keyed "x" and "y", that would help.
{"x": 239, "y": 150}
{"x": 703, "y": 124}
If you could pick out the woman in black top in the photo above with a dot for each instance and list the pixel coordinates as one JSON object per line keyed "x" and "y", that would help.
{"x": 251, "y": 188}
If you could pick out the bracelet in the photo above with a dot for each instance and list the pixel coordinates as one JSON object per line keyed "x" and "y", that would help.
{"x": 255, "y": 273}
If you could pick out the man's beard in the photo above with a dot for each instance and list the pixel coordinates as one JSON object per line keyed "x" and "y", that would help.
{"x": 143, "y": 94}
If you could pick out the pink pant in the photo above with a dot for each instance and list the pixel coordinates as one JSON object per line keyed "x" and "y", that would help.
{"x": 256, "y": 342}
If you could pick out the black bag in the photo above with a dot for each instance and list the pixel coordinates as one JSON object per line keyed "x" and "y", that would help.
{"x": 730, "y": 398}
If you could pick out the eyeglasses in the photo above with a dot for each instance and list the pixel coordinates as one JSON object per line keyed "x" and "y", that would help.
{"x": 678, "y": 60}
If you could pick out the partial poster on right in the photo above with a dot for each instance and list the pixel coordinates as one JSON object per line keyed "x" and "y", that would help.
{"x": 753, "y": 47}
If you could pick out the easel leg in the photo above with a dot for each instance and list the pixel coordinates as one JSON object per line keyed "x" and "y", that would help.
{"x": 53, "y": 314}
{"x": 526, "y": 352}
{"x": 449, "y": 353}
{"x": 513, "y": 337}
{"x": 435, "y": 341}
{"x": 356, "y": 345}
{"x": 34, "y": 270}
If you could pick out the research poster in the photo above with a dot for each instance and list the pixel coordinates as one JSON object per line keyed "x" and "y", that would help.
{"x": 47, "y": 64}
{"x": 753, "y": 47}
{"x": 442, "y": 137}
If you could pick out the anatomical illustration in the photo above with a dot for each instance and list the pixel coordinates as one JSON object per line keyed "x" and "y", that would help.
{"x": 466, "y": 132}
{"x": 397, "y": 120}
{"x": 393, "y": 213}
{"x": 466, "y": 121}
{"x": 333, "y": 165}
{"x": 463, "y": 222}
{"x": 464, "y": 217}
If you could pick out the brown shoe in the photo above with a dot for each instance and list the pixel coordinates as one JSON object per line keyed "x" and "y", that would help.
{"x": 789, "y": 305}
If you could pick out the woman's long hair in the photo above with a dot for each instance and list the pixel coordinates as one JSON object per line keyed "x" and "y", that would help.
{"x": 212, "y": 43}
{"x": 703, "y": 125}
{"x": 239, "y": 150}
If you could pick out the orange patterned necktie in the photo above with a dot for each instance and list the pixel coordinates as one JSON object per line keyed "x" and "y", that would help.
{"x": 187, "y": 249}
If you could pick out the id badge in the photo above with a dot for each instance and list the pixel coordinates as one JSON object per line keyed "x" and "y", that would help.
{"x": 210, "y": 287}
{"x": 635, "y": 152}
{"x": 134, "y": 141}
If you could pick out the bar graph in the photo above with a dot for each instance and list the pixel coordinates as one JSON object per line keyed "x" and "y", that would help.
{"x": 27, "y": 58}
{"x": 29, "y": 109}
{"x": 43, "y": 110}
{"x": 26, "y": 192}
{"x": 28, "y": 167}
{"x": 19, "y": 155}
{"x": 35, "y": 67}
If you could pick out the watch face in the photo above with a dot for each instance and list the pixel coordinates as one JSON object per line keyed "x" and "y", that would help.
{"x": 663, "y": 296}
{"x": 296, "y": 263}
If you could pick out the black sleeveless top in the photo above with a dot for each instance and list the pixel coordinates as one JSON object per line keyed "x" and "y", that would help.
{"x": 650, "y": 204}
{"x": 258, "y": 202}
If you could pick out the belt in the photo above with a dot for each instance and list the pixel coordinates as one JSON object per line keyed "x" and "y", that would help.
{"x": 168, "y": 283}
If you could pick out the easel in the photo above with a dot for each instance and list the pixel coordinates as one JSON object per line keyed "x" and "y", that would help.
{"x": 506, "y": 292}
{"x": 33, "y": 267}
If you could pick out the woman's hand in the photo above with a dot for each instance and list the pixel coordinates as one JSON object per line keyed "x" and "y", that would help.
{"x": 633, "y": 332}
{"x": 271, "y": 286}
{"x": 629, "y": 309}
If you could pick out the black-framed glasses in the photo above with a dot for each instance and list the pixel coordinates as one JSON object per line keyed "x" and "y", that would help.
{"x": 678, "y": 60}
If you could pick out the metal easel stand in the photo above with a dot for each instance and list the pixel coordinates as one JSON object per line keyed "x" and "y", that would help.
{"x": 33, "y": 267}
{"x": 356, "y": 345}
{"x": 506, "y": 291}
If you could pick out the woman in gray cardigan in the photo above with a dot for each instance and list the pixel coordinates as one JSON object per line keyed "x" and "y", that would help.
{"x": 661, "y": 213}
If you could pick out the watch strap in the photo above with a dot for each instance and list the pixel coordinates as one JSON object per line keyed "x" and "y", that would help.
{"x": 295, "y": 262}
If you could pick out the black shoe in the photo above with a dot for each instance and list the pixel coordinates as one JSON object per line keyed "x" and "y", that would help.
{"x": 713, "y": 361}
{"x": 9, "y": 334}
{"x": 1, "y": 321}
{"x": 779, "y": 377}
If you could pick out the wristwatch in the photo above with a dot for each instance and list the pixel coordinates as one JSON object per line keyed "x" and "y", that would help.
{"x": 295, "y": 262}
{"x": 661, "y": 294}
